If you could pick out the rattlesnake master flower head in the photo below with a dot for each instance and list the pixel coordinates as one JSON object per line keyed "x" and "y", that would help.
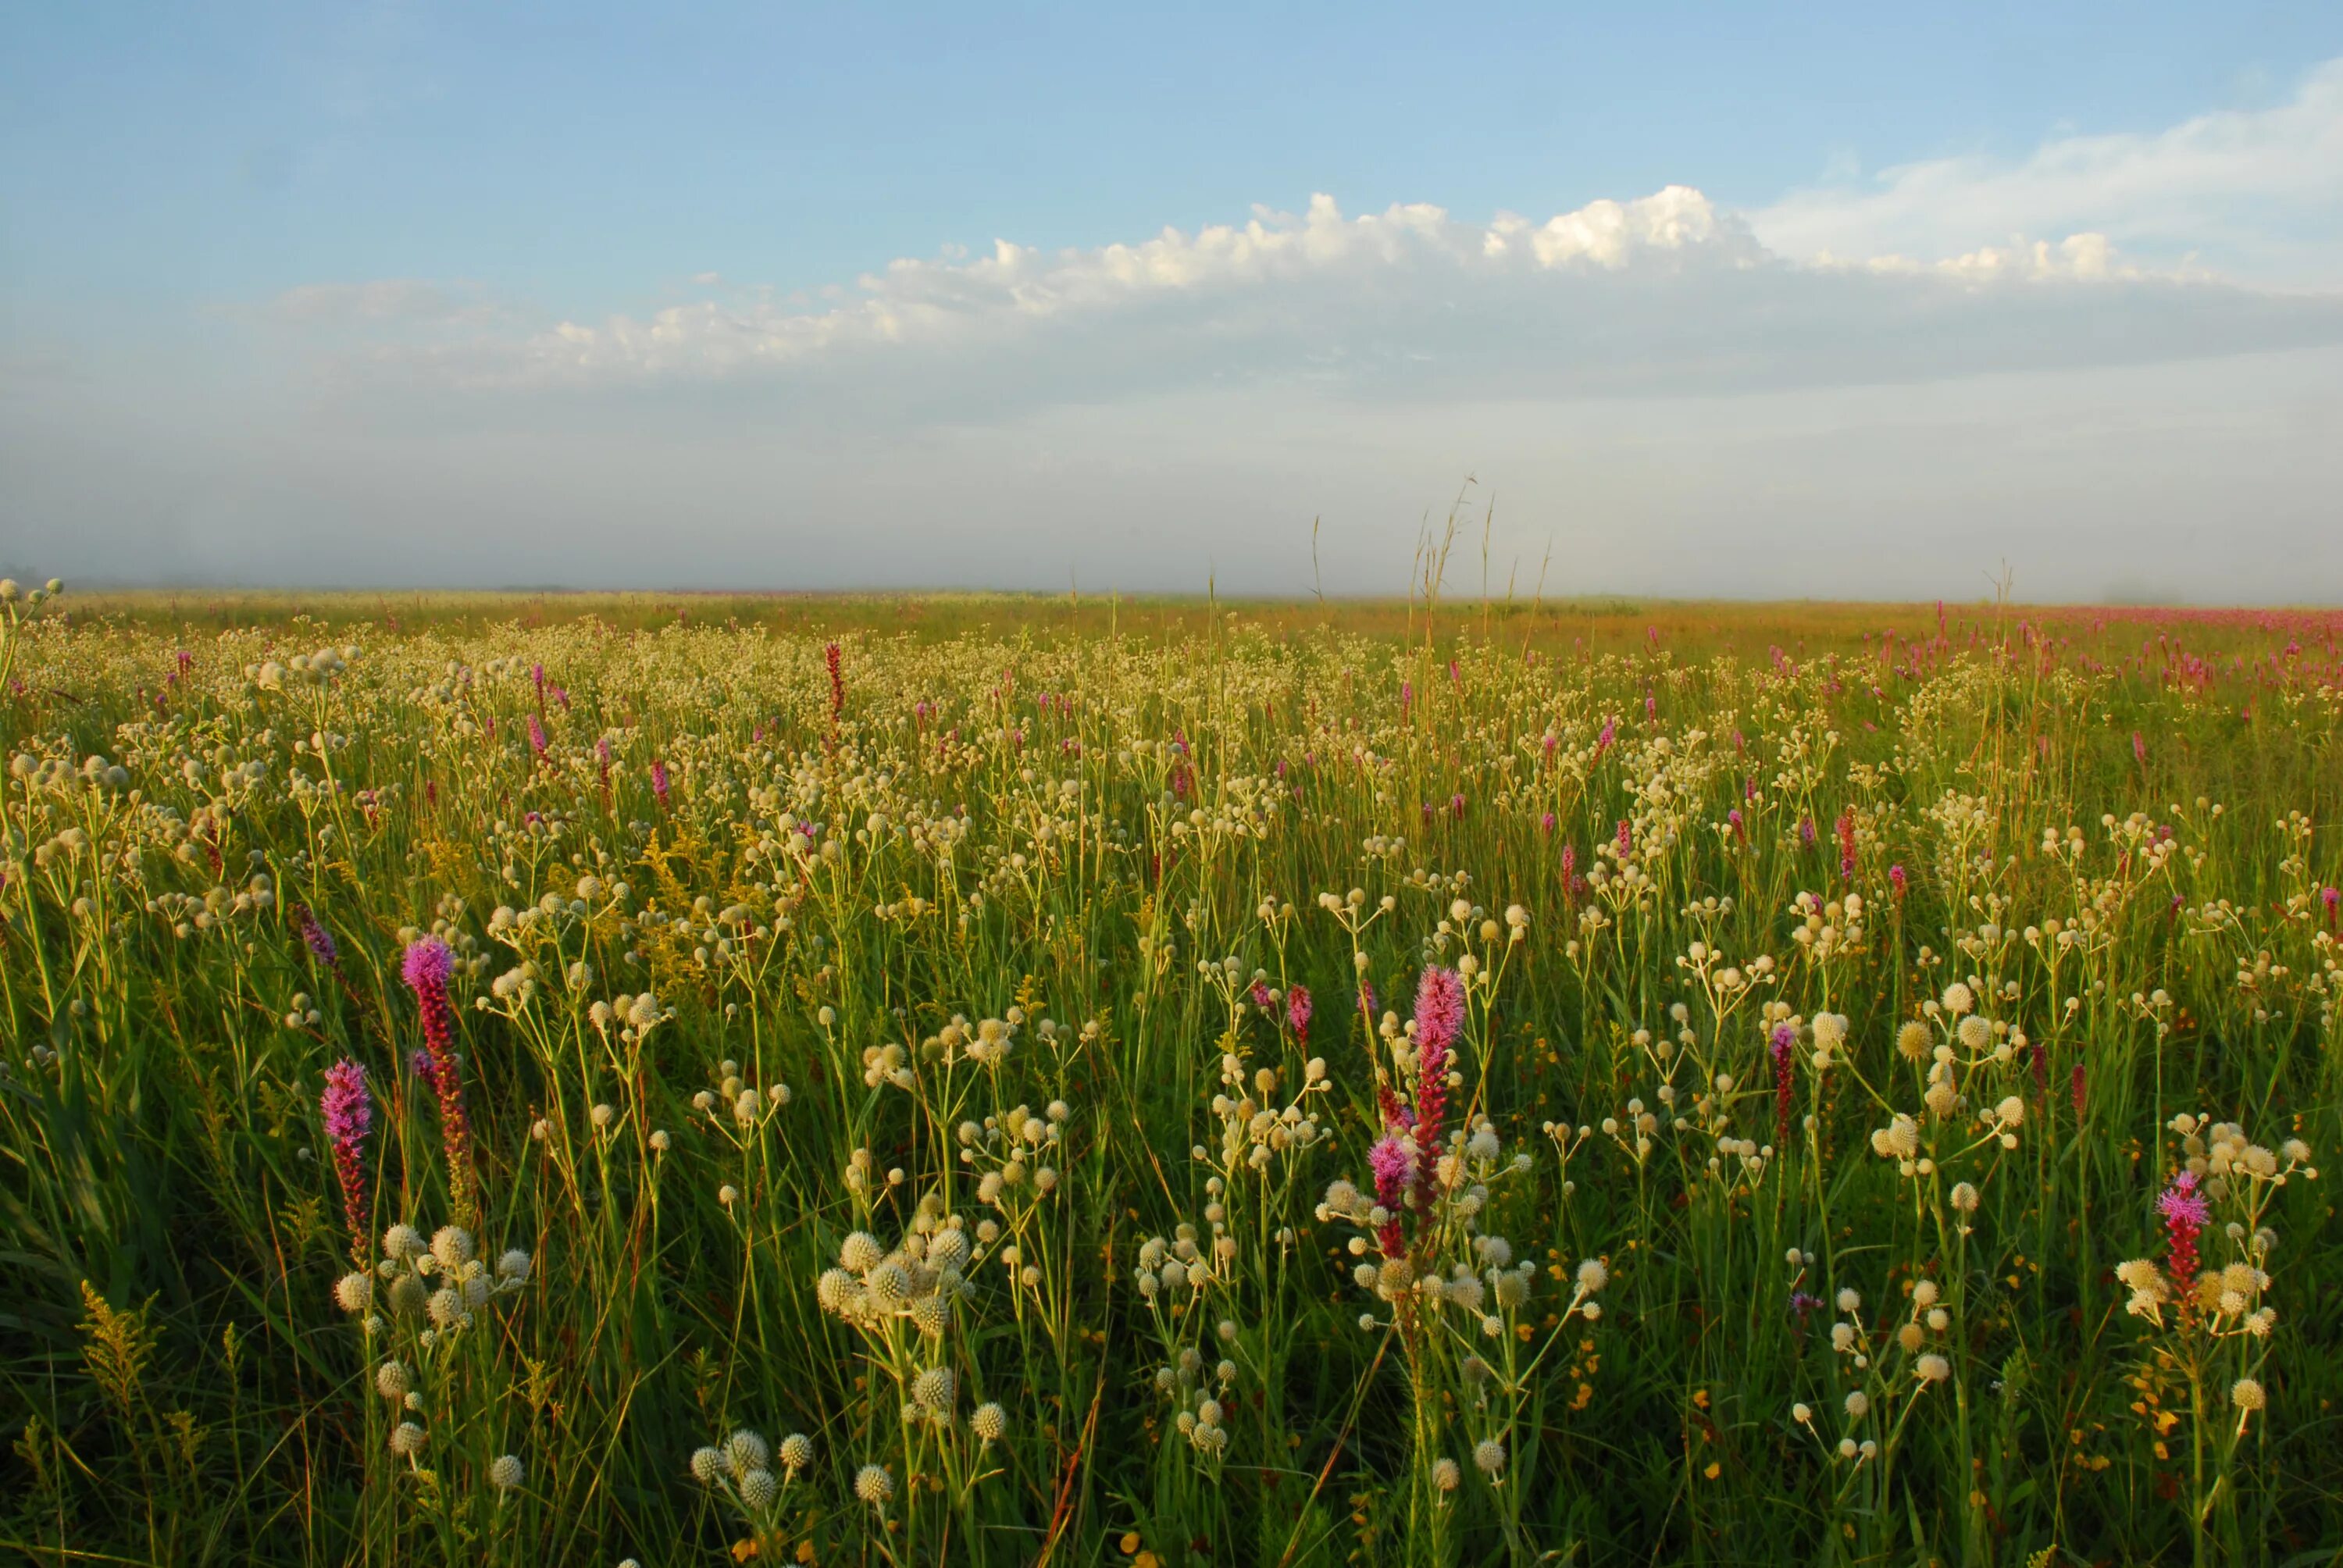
{"x": 1593, "y": 1275}
{"x": 759, "y": 1489}
{"x": 707, "y": 1464}
{"x": 1932, "y": 1368}
{"x": 1446, "y": 1474}
{"x": 2246, "y": 1393}
{"x": 401, "y": 1243}
{"x": 392, "y": 1379}
{"x": 796, "y": 1451}
{"x": 513, "y": 1266}
{"x": 505, "y": 1472}
{"x": 1489, "y": 1456}
{"x": 745, "y": 1450}
{"x": 451, "y": 1246}
{"x": 874, "y": 1485}
{"x": 935, "y": 1389}
{"x": 989, "y": 1422}
{"x": 354, "y": 1293}
{"x": 407, "y": 1439}
{"x": 1912, "y": 1042}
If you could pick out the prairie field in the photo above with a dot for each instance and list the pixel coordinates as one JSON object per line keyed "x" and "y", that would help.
{"x": 677, "y": 1079}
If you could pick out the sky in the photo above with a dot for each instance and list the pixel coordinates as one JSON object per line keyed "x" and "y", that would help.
{"x": 1828, "y": 301}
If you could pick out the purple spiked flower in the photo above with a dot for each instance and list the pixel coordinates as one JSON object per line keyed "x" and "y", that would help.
{"x": 348, "y": 1112}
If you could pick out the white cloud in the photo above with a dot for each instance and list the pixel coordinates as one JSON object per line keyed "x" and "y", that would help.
{"x": 1667, "y": 294}
{"x": 2256, "y": 192}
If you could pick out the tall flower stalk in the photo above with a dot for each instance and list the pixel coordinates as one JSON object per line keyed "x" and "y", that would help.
{"x": 427, "y": 968}
{"x": 348, "y": 1112}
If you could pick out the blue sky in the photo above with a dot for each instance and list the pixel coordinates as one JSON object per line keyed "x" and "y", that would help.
{"x": 258, "y": 253}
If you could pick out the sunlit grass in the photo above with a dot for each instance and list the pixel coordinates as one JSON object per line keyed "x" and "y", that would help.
{"x": 938, "y": 1077}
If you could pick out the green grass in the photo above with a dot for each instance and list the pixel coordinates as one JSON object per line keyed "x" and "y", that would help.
{"x": 1094, "y": 827}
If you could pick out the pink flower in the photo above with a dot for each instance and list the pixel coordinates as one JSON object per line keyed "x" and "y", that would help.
{"x": 427, "y": 966}
{"x": 348, "y": 1112}
{"x": 1786, "y": 1040}
{"x": 1439, "y": 1016}
{"x": 1297, "y": 1012}
{"x": 2184, "y": 1213}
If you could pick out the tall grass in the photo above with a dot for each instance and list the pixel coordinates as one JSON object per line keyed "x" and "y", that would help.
{"x": 927, "y": 1093}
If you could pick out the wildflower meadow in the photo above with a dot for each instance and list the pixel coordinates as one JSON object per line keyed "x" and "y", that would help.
{"x": 699, "y": 1081}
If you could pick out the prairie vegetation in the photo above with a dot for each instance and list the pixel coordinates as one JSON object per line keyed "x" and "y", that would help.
{"x": 999, "y": 1081}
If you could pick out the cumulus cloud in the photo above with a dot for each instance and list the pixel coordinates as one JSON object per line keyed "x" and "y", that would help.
{"x": 1667, "y": 294}
{"x": 2257, "y": 192}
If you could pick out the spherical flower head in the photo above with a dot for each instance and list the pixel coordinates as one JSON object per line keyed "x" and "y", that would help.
{"x": 445, "y": 1307}
{"x": 427, "y": 964}
{"x": 1976, "y": 1034}
{"x": 354, "y": 1293}
{"x": 874, "y": 1485}
{"x": 759, "y": 1489}
{"x": 1912, "y": 1041}
{"x": 745, "y": 1450}
{"x": 507, "y": 1472}
{"x": 1964, "y": 1197}
{"x": 989, "y": 1422}
{"x": 890, "y": 1285}
{"x": 1446, "y": 1473}
{"x": 1858, "y": 1405}
{"x": 514, "y": 1266}
{"x": 407, "y": 1439}
{"x": 1958, "y": 998}
{"x": 1932, "y": 1368}
{"x": 392, "y": 1379}
{"x": 401, "y": 1243}
{"x": 2247, "y": 1394}
{"x": 934, "y": 1388}
{"x": 1593, "y": 1275}
{"x": 452, "y": 1246}
{"x": 1489, "y": 1456}
{"x": 707, "y": 1464}
{"x": 796, "y": 1451}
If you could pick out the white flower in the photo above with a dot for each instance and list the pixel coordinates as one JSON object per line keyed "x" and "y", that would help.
{"x": 451, "y": 1246}
{"x": 745, "y": 1450}
{"x": 989, "y": 1422}
{"x": 505, "y": 1472}
{"x": 407, "y": 1439}
{"x": 1489, "y": 1456}
{"x": 354, "y": 1293}
{"x": 874, "y": 1485}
